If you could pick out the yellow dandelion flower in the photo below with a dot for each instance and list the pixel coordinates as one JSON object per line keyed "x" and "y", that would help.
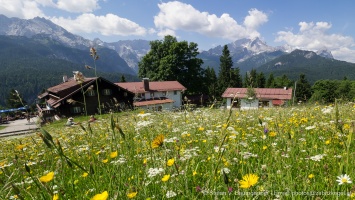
{"x": 165, "y": 178}
{"x": 20, "y": 146}
{"x": 264, "y": 147}
{"x": 105, "y": 161}
{"x": 327, "y": 142}
{"x": 272, "y": 134}
{"x": 102, "y": 196}
{"x": 46, "y": 178}
{"x": 249, "y": 180}
{"x": 194, "y": 173}
{"x": 113, "y": 154}
{"x": 158, "y": 141}
{"x": 346, "y": 126}
{"x": 170, "y": 162}
{"x": 84, "y": 174}
{"x": 145, "y": 161}
{"x": 201, "y": 128}
{"x": 311, "y": 176}
{"x": 132, "y": 195}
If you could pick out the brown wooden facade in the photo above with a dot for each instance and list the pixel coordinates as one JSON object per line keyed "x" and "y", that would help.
{"x": 67, "y": 98}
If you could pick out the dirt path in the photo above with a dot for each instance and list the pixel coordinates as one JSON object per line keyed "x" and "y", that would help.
{"x": 19, "y": 125}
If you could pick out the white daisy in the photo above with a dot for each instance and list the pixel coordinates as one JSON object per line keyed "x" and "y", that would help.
{"x": 344, "y": 178}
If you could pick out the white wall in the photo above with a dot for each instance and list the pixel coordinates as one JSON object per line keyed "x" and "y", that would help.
{"x": 245, "y": 105}
{"x": 169, "y": 94}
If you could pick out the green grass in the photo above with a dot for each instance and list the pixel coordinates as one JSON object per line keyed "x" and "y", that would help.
{"x": 294, "y": 153}
{"x": 2, "y": 127}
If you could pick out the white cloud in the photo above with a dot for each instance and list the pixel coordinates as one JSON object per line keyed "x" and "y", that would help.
{"x": 162, "y": 33}
{"x": 180, "y": 16}
{"x": 109, "y": 24}
{"x": 78, "y": 6}
{"x": 26, "y": 9}
{"x": 313, "y": 36}
{"x": 345, "y": 54}
{"x": 255, "y": 19}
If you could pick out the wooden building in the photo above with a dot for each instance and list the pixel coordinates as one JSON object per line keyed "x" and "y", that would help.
{"x": 70, "y": 98}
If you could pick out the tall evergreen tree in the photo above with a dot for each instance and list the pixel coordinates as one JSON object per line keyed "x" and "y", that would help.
{"x": 260, "y": 80}
{"x": 270, "y": 82}
{"x": 303, "y": 89}
{"x": 211, "y": 83}
{"x": 123, "y": 79}
{"x": 252, "y": 78}
{"x": 246, "y": 82}
{"x": 236, "y": 79}
{"x": 226, "y": 64}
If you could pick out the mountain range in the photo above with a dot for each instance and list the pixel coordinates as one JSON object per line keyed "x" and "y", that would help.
{"x": 38, "y": 40}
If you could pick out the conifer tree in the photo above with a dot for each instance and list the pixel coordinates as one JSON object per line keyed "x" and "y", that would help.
{"x": 226, "y": 64}
{"x": 303, "y": 89}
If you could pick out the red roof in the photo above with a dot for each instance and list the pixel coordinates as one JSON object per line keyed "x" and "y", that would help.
{"x": 138, "y": 87}
{"x": 261, "y": 93}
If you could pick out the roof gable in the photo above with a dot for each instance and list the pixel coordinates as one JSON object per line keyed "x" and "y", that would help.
{"x": 138, "y": 87}
{"x": 261, "y": 93}
{"x": 68, "y": 87}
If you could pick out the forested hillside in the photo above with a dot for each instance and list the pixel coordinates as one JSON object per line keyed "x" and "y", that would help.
{"x": 307, "y": 62}
{"x": 29, "y": 66}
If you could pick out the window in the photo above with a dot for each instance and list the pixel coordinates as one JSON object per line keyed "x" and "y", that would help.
{"x": 76, "y": 109}
{"x": 152, "y": 95}
{"x": 163, "y": 94}
{"x": 90, "y": 93}
{"x": 175, "y": 92}
{"x": 107, "y": 92}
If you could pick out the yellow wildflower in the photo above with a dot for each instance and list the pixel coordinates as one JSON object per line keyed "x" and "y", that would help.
{"x": 145, "y": 161}
{"x": 194, "y": 173}
{"x": 249, "y": 180}
{"x": 102, "y": 196}
{"x": 55, "y": 197}
{"x": 311, "y": 176}
{"x": 113, "y": 154}
{"x": 272, "y": 134}
{"x": 201, "y": 128}
{"x": 158, "y": 141}
{"x": 165, "y": 178}
{"x": 170, "y": 162}
{"x": 131, "y": 195}
{"x": 85, "y": 174}
{"x": 46, "y": 178}
{"x": 20, "y": 146}
{"x": 105, "y": 161}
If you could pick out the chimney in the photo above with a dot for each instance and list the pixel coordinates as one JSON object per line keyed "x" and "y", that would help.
{"x": 146, "y": 84}
{"x": 65, "y": 78}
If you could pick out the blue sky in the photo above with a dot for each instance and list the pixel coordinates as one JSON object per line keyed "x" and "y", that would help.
{"x": 303, "y": 24}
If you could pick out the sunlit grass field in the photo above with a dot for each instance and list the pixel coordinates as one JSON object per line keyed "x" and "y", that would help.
{"x": 302, "y": 152}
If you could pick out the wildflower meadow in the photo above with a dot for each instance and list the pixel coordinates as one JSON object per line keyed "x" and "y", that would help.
{"x": 302, "y": 152}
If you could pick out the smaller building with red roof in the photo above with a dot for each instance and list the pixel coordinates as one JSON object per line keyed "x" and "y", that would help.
{"x": 264, "y": 97}
{"x": 155, "y": 95}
